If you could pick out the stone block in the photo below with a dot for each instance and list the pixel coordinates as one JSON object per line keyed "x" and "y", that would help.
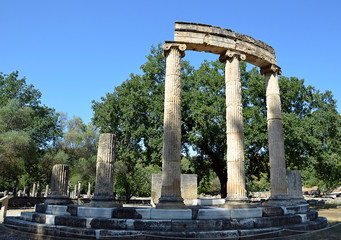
{"x": 272, "y": 211}
{"x": 312, "y": 215}
{"x": 208, "y": 202}
{"x": 50, "y": 219}
{"x": 184, "y": 225}
{"x": 126, "y": 213}
{"x": 57, "y": 210}
{"x": 154, "y": 225}
{"x": 246, "y": 213}
{"x": 40, "y": 207}
{"x": 144, "y": 212}
{"x": 39, "y": 218}
{"x": 188, "y": 188}
{"x": 216, "y": 213}
{"x": 227, "y": 234}
{"x": 168, "y": 214}
{"x": 70, "y": 221}
{"x": 72, "y": 209}
{"x": 92, "y": 212}
{"x": 27, "y": 216}
{"x": 277, "y": 221}
{"x": 120, "y": 224}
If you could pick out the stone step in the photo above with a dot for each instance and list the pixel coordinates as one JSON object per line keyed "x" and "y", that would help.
{"x": 69, "y": 232}
{"x": 169, "y": 224}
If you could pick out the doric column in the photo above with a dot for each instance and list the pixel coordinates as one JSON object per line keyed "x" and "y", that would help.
{"x": 104, "y": 188}
{"x": 275, "y": 134}
{"x": 171, "y": 155}
{"x": 236, "y": 186}
{"x": 59, "y": 182}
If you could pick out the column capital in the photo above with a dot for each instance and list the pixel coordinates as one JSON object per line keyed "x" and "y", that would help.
{"x": 230, "y": 54}
{"x": 271, "y": 69}
{"x": 168, "y": 45}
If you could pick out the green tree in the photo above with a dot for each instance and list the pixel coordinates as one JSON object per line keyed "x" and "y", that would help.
{"x": 134, "y": 112}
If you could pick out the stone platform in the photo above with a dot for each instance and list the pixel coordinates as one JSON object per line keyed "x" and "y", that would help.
{"x": 149, "y": 223}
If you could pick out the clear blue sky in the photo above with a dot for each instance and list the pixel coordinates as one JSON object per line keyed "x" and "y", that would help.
{"x": 75, "y": 51}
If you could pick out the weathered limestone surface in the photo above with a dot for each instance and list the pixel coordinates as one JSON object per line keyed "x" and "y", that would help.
{"x": 275, "y": 134}
{"x": 171, "y": 158}
{"x": 103, "y": 196}
{"x": 236, "y": 186}
{"x": 189, "y": 188}
{"x": 59, "y": 183}
{"x": 202, "y": 37}
{"x": 295, "y": 186}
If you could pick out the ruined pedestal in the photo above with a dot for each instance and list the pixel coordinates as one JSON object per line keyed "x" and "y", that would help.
{"x": 59, "y": 183}
{"x": 104, "y": 188}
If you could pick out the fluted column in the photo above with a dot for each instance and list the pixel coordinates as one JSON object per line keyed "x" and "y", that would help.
{"x": 275, "y": 134}
{"x": 104, "y": 188}
{"x": 171, "y": 156}
{"x": 59, "y": 183}
{"x": 236, "y": 186}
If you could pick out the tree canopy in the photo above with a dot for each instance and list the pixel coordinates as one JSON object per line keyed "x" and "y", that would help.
{"x": 134, "y": 113}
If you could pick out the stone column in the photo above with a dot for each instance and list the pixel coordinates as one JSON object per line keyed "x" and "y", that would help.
{"x": 275, "y": 135}
{"x": 104, "y": 188}
{"x": 236, "y": 185}
{"x": 89, "y": 190}
{"x": 171, "y": 155}
{"x": 59, "y": 182}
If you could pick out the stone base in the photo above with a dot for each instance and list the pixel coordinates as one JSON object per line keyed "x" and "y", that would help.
{"x": 163, "y": 204}
{"x": 282, "y": 200}
{"x": 103, "y": 204}
{"x": 57, "y": 200}
{"x": 75, "y": 222}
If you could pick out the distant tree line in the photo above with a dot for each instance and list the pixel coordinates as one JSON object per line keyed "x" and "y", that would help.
{"x": 33, "y": 137}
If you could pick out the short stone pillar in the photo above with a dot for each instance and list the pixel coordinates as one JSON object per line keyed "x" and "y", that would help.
{"x": 236, "y": 183}
{"x": 3, "y": 207}
{"x": 89, "y": 190}
{"x": 104, "y": 188}
{"x": 79, "y": 189}
{"x": 171, "y": 154}
{"x": 275, "y": 136}
{"x": 295, "y": 186}
{"x": 38, "y": 194}
{"x": 34, "y": 190}
{"x": 189, "y": 188}
{"x": 46, "y": 193}
{"x": 59, "y": 182}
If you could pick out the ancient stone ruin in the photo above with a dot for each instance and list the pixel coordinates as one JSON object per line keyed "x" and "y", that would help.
{"x": 286, "y": 212}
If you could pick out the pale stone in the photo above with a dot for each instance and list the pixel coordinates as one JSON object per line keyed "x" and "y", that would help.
{"x": 50, "y": 219}
{"x": 166, "y": 214}
{"x": 57, "y": 210}
{"x": 188, "y": 188}
{"x": 275, "y": 136}
{"x": 171, "y": 155}
{"x": 216, "y": 213}
{"x": 46, "y": 191}
{"x": 236, "y": 185}
{"x": 104, "y": 195}
{"x": 95, "y": 212}
{"x": 246, "y": 213}
{"x": 59, "y": 183}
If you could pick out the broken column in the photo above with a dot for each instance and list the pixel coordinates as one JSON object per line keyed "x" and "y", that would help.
{"x": 275, "y": 136}
{"x": 236, "y": 185}
{"x": 104, "y": 188}
{"x": 171, "y": 154}
{"x": 59, "y": 182}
